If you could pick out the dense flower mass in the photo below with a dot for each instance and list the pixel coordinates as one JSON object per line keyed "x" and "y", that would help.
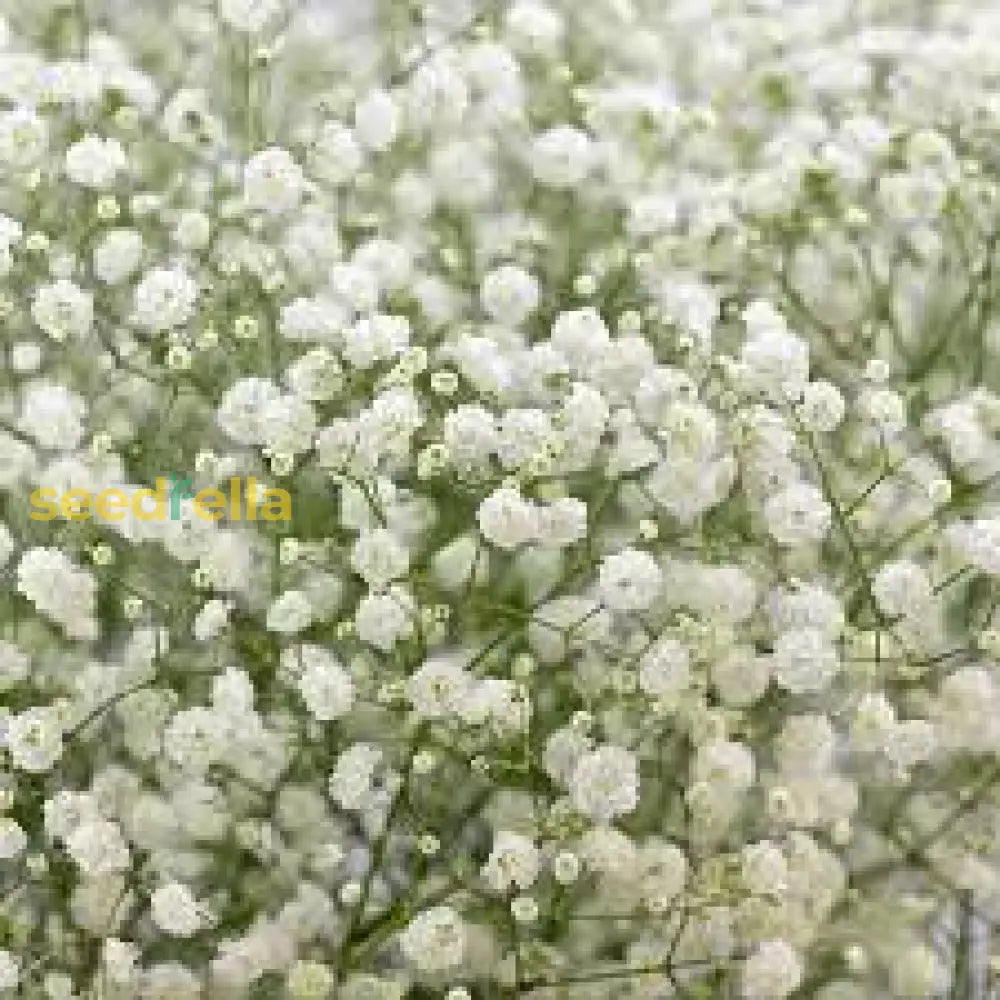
{"x": 633, "y": 367}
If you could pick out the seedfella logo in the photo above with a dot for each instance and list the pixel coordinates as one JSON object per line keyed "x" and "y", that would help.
{"x": 243, "y": 503}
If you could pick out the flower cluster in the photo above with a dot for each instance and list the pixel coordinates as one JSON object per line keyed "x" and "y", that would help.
{"x": 633, "y": 367}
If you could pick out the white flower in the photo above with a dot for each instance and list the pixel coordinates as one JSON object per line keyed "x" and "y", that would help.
{"x": 663, "y": 869}
{"x": 805, "y": 745}
{"x": 9, "y": 971}
{"x": 605, "y": 783}
{"x": 59, "y": 589}
{"x": 823, "y": 407}
{"x": 566, "y": 867}
{"x": 534, "y": 27}
{"x": 98, "y": 848}
{"x": 34, "y": 739}
{"x": 25, "y": 356}
{"x": 315, "y": 318}
{"x": 66, "y": 810}
{"x": 798, "y": 515}
{"x": 13, "y": 840}
{"x": 273, "y": 181}
{"x": 351, "y": 782}
{"x": 336, "y": 156}
{"x": 379, "y": 558}
{"x": 13, "y": 665}
{"x": 193, "y": 230}
{"x": 808, "y": 606}
{"x": 581, "y": 336}
{"x": 24, "y": 139}
{"x": 458, "y": 561}
{"x": 562, "y": 157}
{"x": 434, "y": 941}
{"x": 249, "y": 16}
{"x": 241, "y": 409}
{"x": 165, "y": 298}
{"x": 804, "y": 661}
{"x": 53, "y": 415}
{"x": 287, "y": 425}
{"x": 470, "y": 436}
{"x": 563, "y": 750}
{"x": 772, "y": 972}
{"x": 193, "y": 739}
{"x": 175, "y": 911}
{"x": 211, "y": 620}
{"x": 902, "y": 588}
{"x": 289, "y": 613}
{"x": 438, "y": 688}
{"x": 562, "y": 523}
{"x": 117, "y": 255}
{"x": 316, "y": 376}
{"x": 509, "y": 294}
{"x": 309, "y": 981}
{"x": 724, "y": 764}
{"x": 514, "y": 861}
{"x": 383, "y": 619}
{"x": 119, "y": 960}
{"x": 763, "y": 869}
{"x": 629, "y": 580}
{"x": 374, "y": 339}
{"x": 95, "y": 162}
{"x": 376, "y": 120}
{"x": 326, "y": 687}
{"x": 63, "y": 310}
{"x": 507, "y": 520}
{"x": 664, "y": 669}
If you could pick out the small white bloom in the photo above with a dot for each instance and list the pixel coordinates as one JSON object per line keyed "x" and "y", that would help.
{"x": 326, "y": 687}
{"x": 35, "y": 739}
{"x": 379, "y": 558}
{"x": 273, "y": 181}
{"x": 13, "y": 840}
{"x": 351, "y": 781}
{"x": 249, "y": 16}
{"x": 507, "y": 520}
{"x": 383, "y": 619}
{"x": 562, "y": 157}
{"x": 24, "y": 139}
{"x": 117, "y": 255}
{"x": 95, "y": 162}
{"x": 772, "y": 972}
{"x": 562, "y": 523}
{"x": 664, "y": 669}
{"x": 289, "y": 613}
{"x": 629, "y": 580}
{"x": 211, "y": 620}
{"x": 165, "y": 298}
{"x": 53, "y": 415}
{"x": 514, "y": 861}
{"x": 438, "y": 688}
{"x": 798, "y": 515}
{"x": 605, "y": 783}
{"x": 804, "y": 661}
{"x": 822, "y": 407}
{"x": 175, "y": 911}
{"x": 63, "y": 310}
{"x": 509, "y": 294}
{"x": 10, "y": 974}
{"x": 98, "y": 848}
{"x": 376, "y": 120}
{"x": 434, "y": 941}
